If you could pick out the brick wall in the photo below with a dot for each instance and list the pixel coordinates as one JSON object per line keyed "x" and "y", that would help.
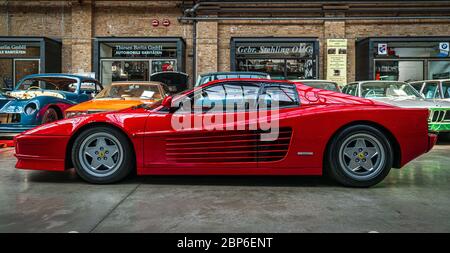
{"x": 76, "y": 25}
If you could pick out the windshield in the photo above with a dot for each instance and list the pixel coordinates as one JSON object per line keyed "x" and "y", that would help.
{"x": 49, "y": 83}
{"x": 131, "y": 91}
{"x": 322, "y": 85}
{"x": 208, "y": 78}
{"x": 387, "y": 89}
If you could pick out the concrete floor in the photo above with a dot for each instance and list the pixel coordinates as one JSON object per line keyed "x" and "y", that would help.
{"x": 414, "y": 199}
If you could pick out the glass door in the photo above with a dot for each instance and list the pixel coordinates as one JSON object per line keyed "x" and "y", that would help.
{"x": 24, "y": 67}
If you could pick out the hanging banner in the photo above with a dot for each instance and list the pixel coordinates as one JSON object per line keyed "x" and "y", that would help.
{"x": 337, "y": 61}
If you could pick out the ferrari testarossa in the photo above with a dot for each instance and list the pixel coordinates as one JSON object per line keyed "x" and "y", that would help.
{"x": 354, "y": 140}
{"x": 43, "y": 98}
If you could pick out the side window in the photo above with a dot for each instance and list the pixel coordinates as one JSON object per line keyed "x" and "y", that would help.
{"x": 211, "y": 98}
{"x": 431, "y": 90}
{"x": 90, "y": 88}
{"x": 351, "y": 89}
{"x": 240, "y": 96}
{"x": 417, "y": 86}
{"x": 446, "y": 89}
{"x": 284, "y": 95}
{"x": 220, "y": 97}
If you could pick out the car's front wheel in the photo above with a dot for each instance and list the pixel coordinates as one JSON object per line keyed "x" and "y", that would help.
{"x": 102, "y": 155}
{"x": 359, "y": 156}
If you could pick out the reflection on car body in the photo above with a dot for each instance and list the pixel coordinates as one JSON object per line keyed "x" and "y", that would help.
{"x": 208, "y": 77}
{"x": 320, "y": 84}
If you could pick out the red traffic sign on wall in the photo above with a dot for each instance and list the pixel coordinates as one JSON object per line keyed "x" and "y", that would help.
{"x": 155, "y": 22}
{"x": 166, "y": 22}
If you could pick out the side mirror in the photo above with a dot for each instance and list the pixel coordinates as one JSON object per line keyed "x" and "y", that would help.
{"x": 167, "y": 102}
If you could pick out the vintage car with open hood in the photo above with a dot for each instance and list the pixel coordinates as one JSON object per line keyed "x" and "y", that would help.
{"x": 176, "y": 81}
{"x": 121, "y": 95}
{"x": 43, "y": 98}
{"x": 235, "y": 127}
{"x": 403, "y": 95}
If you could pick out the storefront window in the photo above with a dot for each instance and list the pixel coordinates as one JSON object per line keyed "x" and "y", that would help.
{"x": 24, "y": 67}
{"x": 6, "y": 74}
{"x": 439, "y": 69}
{"x": 399, "y": 70}
{"x": 135, "y": 61}
{"x": 403, "y": 58}
{"x": 280, "y": 58}
{"x": 411, "y": 60}
{"x": 17, "y": 59}
{"x": 274, "y": 67}
{"x": 163, "y": 65}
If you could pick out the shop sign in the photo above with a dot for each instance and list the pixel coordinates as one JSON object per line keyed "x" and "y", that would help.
{"x": 443, "y": 49}
{"x": 302, "y": 49}
{"x": 137, "y": 51}
{"x": 13, "y": 49}
{"x": 382, "y": 49}
{"x": 337, "y": 61}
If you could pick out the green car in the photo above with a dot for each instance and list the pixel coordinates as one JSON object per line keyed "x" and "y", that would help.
{"x": 402, "y": 94}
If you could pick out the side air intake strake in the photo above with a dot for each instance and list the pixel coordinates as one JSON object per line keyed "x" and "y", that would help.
{"x": 228, "y": 147}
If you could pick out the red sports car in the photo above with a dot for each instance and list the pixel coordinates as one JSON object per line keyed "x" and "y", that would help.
{"x": 354, "y": 140}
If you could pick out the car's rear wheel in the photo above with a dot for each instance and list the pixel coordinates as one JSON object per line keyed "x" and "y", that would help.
{"x": 102, "y": 155}
{"x": 50, "y": 115}
{"x": 359, "y": 156}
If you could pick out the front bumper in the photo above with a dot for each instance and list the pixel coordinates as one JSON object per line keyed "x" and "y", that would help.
{"x": 438, "y": 127}
{"x": 41, "y": 152}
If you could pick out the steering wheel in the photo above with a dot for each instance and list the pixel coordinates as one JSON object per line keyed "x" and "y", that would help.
{"x": 369, "y": 93}
{"x": 33, "y": 88}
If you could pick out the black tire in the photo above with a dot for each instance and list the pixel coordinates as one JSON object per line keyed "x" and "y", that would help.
{"x": 335, "y": 169}
{"x": 50, "y": 115}
{"x": 124, "y": 168}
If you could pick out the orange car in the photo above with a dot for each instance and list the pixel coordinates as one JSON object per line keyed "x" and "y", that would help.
{"x": 121, "y": 95}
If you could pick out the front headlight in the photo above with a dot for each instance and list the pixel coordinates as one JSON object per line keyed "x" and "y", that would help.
{"x": 75, "y": 113}
{"x": 30, "y": 108}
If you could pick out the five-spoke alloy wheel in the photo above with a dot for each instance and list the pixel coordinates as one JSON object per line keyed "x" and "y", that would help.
{"x": 359, "y": 156}
{"x": 102, "y": 155}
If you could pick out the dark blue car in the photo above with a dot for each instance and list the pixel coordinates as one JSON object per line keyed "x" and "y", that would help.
{"x": 43, "y": 98}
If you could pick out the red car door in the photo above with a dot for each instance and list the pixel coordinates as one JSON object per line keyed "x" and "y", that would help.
{"x": 278, "y": 150}
{"x": 209, "y": 145}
